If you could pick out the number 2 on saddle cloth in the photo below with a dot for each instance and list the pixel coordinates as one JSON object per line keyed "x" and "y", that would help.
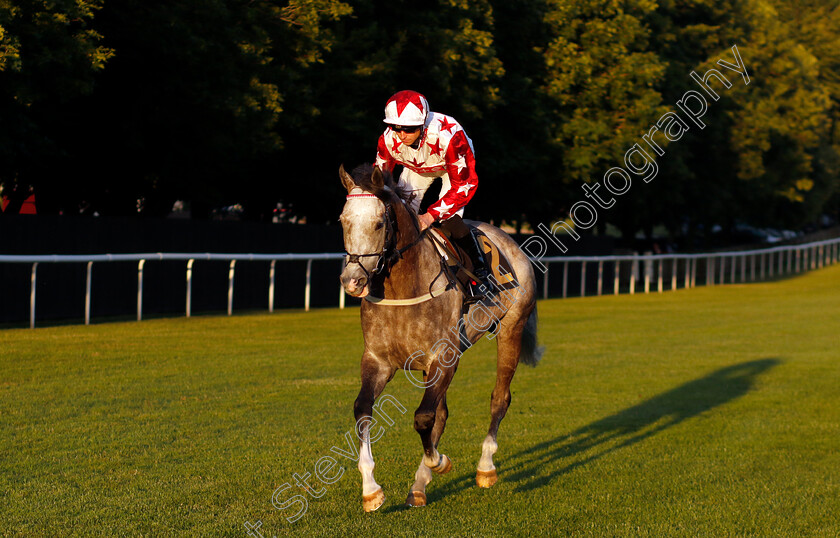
{"x": 503, "y": 277}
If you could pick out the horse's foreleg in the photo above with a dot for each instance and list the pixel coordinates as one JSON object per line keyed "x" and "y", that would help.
{"x": 374, "y": 378}
{"x": 417, "y": 495}
{"x": 430, "y": 421}
{"x": 509, "y": 345}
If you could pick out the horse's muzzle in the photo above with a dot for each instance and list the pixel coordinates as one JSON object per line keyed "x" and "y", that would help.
{"x": 354, "y": 283}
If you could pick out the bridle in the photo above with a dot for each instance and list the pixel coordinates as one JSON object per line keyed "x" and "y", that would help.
{"x": 389, "y": 253}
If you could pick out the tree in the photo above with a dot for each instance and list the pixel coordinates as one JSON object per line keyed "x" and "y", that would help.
{"x": 49, "y": 54}
{"x": 600, "y": 81}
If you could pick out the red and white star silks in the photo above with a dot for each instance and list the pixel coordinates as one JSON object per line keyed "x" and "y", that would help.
{"x": 445, "y": 151}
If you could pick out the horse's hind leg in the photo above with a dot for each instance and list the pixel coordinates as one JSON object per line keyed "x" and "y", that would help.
{"x": 509, "y": 342}
{"x": 417, "y": 495}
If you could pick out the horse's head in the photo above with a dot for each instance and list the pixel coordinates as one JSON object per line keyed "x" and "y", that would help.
{"x": 368, "y": 227}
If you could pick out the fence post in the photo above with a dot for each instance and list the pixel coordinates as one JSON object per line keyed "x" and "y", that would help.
{"x": 722, "y": 270}
{"x": 617, "y": 269}
{"x": 687, "y": 283}
{"x": 308, "y": 284}
{"x": 87, "y": 292}
{"x": 583, "y": 279}
{"x": 189, "y": 286}
{"x": 693, "y": 272}
{"x": 648, "y": 271}
{"x": 33, "y": 284}
{"x": 752, "y": 267}
{"x": 659, "y": 277}
{"x": 565, "y": 278}
{"x": 341, "y": 291}
{"x": 271, "y": 273}
{"x": 710, "y": 271}
{"x": 634, "y": 274}
{"x": 673, "y": 274}
{"x": 733, "y": 261}
{"x": 230, "y": 286}
{"x": 140, "y": 289}
{"x": 600, "y": 276}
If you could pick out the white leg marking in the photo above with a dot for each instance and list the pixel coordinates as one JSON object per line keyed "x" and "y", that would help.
{"x": 422, "y": 477}
{"x": 488, "y": 448}
{"x": 366, "y": 465}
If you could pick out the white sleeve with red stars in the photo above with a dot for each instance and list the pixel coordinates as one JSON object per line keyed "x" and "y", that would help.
{"x": 384, "y": 160}
{"x": 460, "y": 166}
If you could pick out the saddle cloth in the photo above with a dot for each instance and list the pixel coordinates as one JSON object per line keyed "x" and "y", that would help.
{"x": 456, "y": 259}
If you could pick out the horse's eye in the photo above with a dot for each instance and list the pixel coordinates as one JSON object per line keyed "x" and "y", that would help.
{"x": 379, "y": 225}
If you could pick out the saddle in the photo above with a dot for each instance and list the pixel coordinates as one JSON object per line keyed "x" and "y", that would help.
{"x": 460, "y": 267}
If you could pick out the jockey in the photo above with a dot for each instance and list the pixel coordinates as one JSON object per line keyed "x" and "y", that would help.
{"x": 429, "y": 145}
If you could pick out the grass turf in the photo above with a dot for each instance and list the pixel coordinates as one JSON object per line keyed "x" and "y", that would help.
{"x": 704, "y": 412}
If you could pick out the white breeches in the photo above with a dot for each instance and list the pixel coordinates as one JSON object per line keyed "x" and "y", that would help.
{"x": 418, "y": 184}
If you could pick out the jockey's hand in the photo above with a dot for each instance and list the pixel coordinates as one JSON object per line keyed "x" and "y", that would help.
{"x": 426, "y": 220}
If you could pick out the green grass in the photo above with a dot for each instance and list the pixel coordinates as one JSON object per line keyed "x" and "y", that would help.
{"x": 704, "y": 412}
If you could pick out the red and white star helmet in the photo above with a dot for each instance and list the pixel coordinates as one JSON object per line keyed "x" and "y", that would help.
{"x": 406, "y": 108}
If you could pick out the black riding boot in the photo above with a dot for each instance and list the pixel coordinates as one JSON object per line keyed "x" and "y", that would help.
{"x": 470, "y": 245}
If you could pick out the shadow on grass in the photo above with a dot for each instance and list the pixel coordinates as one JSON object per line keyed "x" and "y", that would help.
{"x": 534, "y": 467}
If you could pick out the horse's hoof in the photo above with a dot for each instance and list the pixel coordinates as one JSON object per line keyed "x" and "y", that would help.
{"x": 443, "y": 466}
{"x": 373, "y": 501}
{"x": 486, "y": 479}
{"x": 416, "y": 498}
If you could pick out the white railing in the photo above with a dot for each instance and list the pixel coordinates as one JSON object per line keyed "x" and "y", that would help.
{"x": 159, "y": 256}
{"x": 770, "y": 261}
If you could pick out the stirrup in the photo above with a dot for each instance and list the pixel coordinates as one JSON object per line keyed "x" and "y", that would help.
{"x": 477, "y": 290}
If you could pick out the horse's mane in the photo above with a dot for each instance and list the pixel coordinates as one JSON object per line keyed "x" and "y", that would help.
{"x": 362, "y": 176}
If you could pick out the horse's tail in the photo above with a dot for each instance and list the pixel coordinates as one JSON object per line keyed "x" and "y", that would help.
{"x": 531, "y": 353}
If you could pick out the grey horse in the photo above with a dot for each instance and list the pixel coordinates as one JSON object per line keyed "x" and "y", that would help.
{"x": 414, "y": 319}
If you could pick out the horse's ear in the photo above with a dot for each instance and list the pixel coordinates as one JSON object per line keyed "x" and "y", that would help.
{"x": 346, "y": 180}
{"x": 377, "y": 180}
